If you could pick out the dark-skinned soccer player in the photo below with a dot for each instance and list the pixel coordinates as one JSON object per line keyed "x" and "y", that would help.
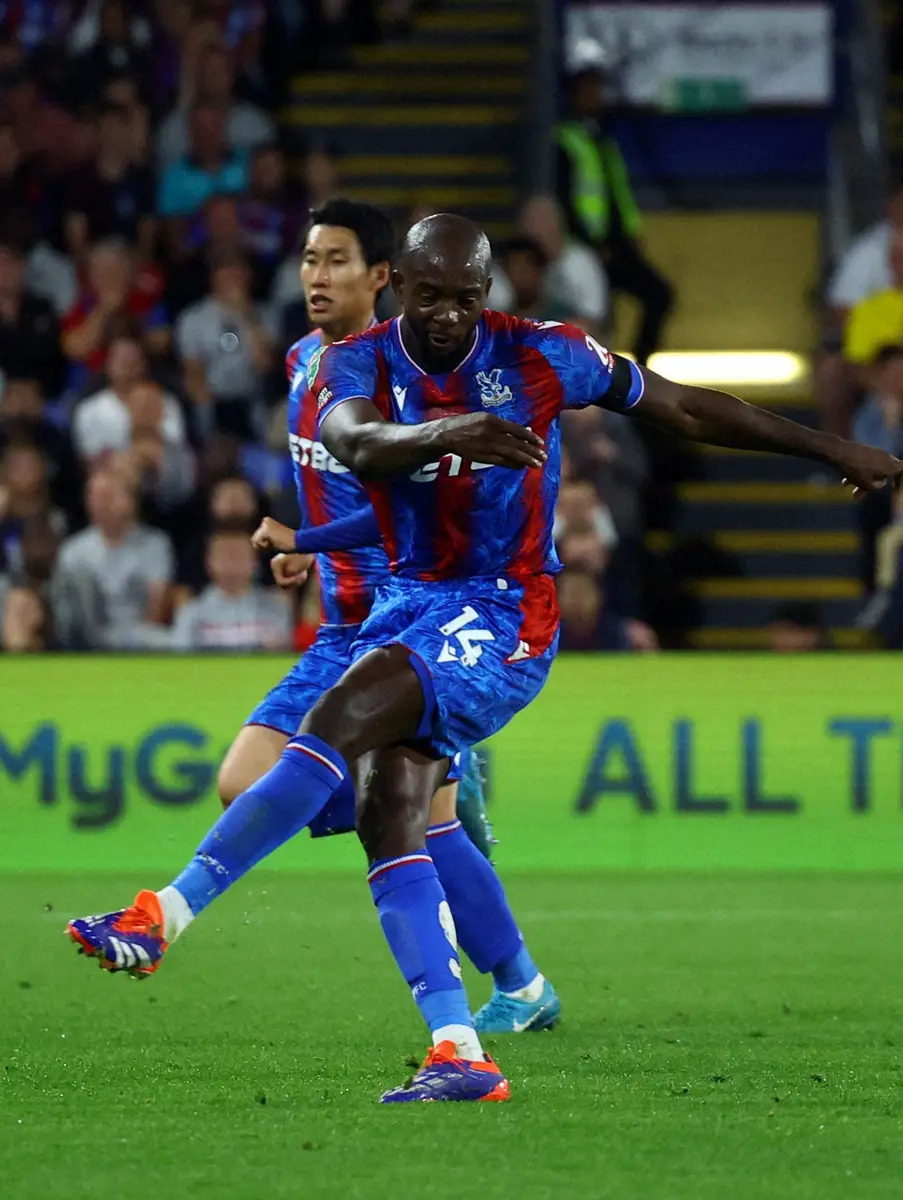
{"x": 449, "y": 415}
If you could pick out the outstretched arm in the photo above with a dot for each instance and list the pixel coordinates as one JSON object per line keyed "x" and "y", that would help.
{"x": 346, "y": 533}
{"x": 704, "y": 415}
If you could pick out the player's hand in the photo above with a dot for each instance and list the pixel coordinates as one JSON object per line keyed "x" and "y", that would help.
{"x": 866, "y": 469}
{"x": 291, "y": 570}
{"x": 273, "y": 535}
{"x": 485, "y": 438}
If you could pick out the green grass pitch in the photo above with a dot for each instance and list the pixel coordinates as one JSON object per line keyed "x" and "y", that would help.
{"x": 724, "y": 1036}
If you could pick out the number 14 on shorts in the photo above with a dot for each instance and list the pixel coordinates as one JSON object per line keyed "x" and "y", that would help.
{"x": 462, "y": 644}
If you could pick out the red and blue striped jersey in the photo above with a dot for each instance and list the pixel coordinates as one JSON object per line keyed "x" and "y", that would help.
{"x": 326, "y": 492}
{"x": 453, "y": 519}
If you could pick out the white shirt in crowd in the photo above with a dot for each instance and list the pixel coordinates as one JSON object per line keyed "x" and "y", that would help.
{"x": 105, "y": 587}
{"x": 864, "y": 270}
{"x": 103, "y": 423}
{"x": 258, "y": 620}
{"x": 575, "y": 282}
{"x": 209, "y": 334}
{"x": 246, "y": 127}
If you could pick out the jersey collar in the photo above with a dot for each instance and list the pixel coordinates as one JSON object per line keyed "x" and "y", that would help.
{"x": 477, "y": 341}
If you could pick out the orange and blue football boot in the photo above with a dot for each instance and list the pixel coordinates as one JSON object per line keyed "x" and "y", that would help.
{"x": 130, "y": 939}
{"x": 444, "y": 1076}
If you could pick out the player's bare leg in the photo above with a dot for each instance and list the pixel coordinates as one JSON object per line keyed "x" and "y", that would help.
{"x": 255, "y": 751}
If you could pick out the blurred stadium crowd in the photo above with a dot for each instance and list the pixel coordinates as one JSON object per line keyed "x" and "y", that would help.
{"x": 859, "y": 393}
{"x": 149, "y": 235}
{"x": 150, "y": 227}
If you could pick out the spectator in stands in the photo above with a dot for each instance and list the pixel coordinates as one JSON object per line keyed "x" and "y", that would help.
{"x": 287, "y": 296}
{"x": 230, "y": 503}
{"x": 583, "y": 530}
{"x": 164, "y": 473}
{"x": 321, "y": 177}
{"x": 587, "y": 625}
{"x": 244, "y": 125}
{"x": 796, "y": 628}
{"x": 104, "y": 422}
{"x": 574, "y": 282}
{"x": 879, "y": 422}
{"x": 16, "y": 189}
{"x": 600, "y": 209}
{"x": 117, "y": 298}
{"x": 111, "y": 583}
{"x": 879, "y": 419}
{"x": 37, "y": 25}
{"x": 270, "y": 213}
{"x": 49, "y": 274}
{"x": 38, "y": 549}
{"x": 210, "y": 167}
{"x": 865, "y": 268}
{"x": 112, "y": 196}
{"x": 877, "y": 321}
{"x": 227, "y": 344}
{"x": 51, "y": 139}
{"x": 606, "y": 448}
{"x": 242, "y": 24}
{"x": 25, "y": 496}
{"x": 109, "y": 40}
{"x": 23, "y": 419}
{"x": 233, "y": 613}
{"x": 175, "y": 49}
{"x": 29, "y": 330}
{"x": 214, "y": 231}
{"x": 25, "y": 624}
{"x": 523, "y": 262}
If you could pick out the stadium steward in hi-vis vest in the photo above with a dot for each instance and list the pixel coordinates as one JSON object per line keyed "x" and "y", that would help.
{"x": 600, "y": 185}
{"x": 593, "y": 188}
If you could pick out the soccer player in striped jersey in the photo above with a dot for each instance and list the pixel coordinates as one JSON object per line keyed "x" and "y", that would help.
{"x": 450, "y": 415}
{"x": 345, "y": 264}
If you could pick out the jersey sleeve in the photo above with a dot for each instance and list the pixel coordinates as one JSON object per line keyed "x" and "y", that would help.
{"x": 590, "y": 374}
{"x": 345, "y": 371}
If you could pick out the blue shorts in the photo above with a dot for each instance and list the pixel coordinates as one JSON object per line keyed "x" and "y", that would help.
{"x": 482, "y": 648}
{"x": 286, "y": 705}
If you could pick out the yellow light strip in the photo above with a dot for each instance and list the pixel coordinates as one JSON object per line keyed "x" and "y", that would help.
{"x": 731, "y": 367}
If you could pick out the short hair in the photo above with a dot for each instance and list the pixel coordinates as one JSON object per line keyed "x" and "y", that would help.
{"x": 448, "y": 231}
{"x": 228, "y": 256}
{"x": 15, "y": 247}
{"x": 887, "y": 354}
{"x": 797, "y": 612}
{"x": 522, "y": 244}
{"x": 369, "y": 224}
{"x": 229, "y": 529}
{"x": 109, "y": 108}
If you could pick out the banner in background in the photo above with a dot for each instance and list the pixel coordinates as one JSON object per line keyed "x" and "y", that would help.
{"x": 689, "y": 761}
{"x": 695, "y": 56}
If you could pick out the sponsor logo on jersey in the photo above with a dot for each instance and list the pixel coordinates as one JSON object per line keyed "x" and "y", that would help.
{"x": 323, "y": 398}
{"x": 307, "y": 453}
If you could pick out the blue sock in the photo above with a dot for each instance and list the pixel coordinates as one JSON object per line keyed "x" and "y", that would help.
{"x": 418, "y": 926}
{"x": 487, "y": 931}
{"x": 261, "y": 819}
